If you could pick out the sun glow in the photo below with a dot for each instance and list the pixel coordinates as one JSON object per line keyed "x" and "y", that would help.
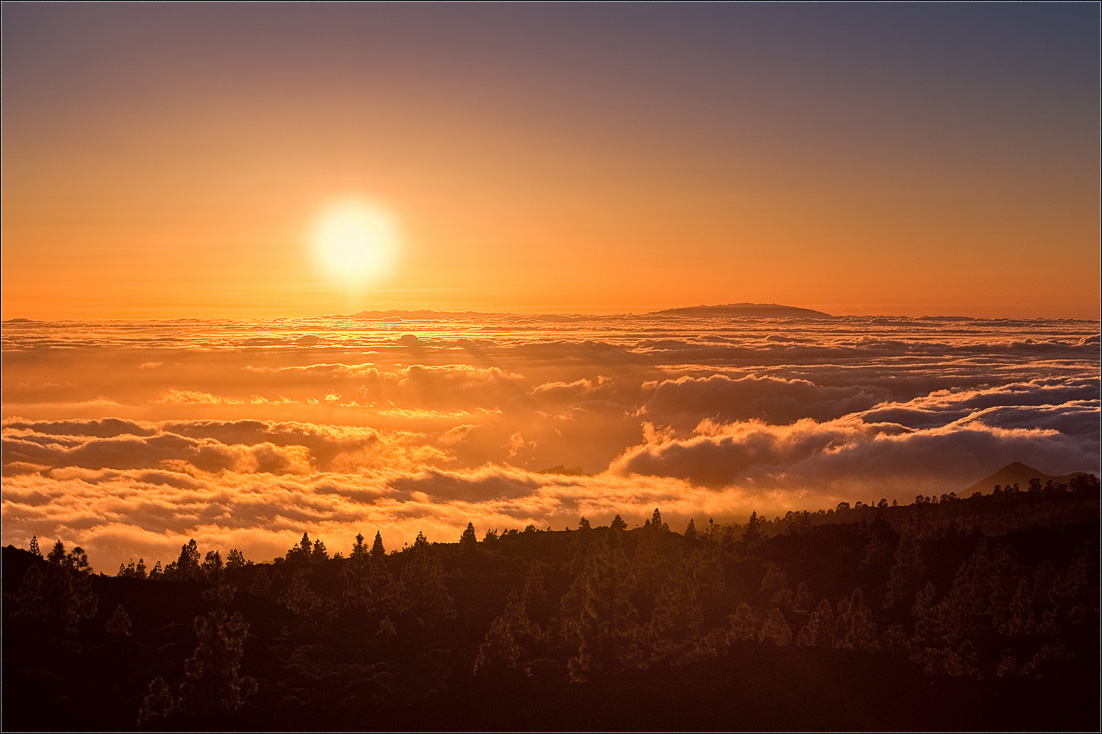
{"x": 355, "y": 242}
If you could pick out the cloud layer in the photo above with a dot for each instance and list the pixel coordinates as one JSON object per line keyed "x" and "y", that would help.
{"x": 129, "y": 438}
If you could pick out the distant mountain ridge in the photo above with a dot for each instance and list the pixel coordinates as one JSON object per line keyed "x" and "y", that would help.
{"x": 1016, "y": 473}
{"x": 730, "y": 310}
{"x": 751, "y": 310}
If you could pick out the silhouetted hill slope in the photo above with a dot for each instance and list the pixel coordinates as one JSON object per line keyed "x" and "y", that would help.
{"x": 977, "y": 613}
{"x": 746, "y": 310}
{"x": 1016, "y": 473}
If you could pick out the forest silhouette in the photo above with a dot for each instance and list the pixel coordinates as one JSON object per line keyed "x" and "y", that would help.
{"x": 949, "y": 613}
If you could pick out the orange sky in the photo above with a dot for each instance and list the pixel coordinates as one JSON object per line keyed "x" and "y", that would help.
{"x": 897, "y": 160}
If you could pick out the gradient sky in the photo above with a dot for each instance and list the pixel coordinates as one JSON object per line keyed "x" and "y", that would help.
{"x": 169, "y": 161}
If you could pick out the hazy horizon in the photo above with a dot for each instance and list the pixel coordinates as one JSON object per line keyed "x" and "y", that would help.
{"x": 567, "y": 313}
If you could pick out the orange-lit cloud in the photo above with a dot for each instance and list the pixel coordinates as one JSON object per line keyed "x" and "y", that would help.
{"x": 232, "y": 439}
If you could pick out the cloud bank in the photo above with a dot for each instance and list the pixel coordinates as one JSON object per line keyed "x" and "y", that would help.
{"x": 130, "y": 438}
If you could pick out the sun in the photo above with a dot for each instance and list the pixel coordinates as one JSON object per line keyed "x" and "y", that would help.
{"x": 355, "y": 242}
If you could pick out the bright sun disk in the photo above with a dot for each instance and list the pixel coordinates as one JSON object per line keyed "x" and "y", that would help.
{"x": 355, "y": 243}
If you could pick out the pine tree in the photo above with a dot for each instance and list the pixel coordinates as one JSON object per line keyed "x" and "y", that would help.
{"x": 377, "y": 550}
{"x": 905, "y": 576}
{"x": 302, "y": 551}
{"x": 57, "y": 554}
{"x": 690, "y": 531}
{"x": 649, "y": 569}
{"x": 187, "y": 565}
{"x": 927, "y": 621}
{"x": 302, "y": 601}
{"x": 853, "y": 623}
{"x": 678, "y": 613}
{"x": 468, "y": 541}
{"x": 606, "y": 624}
{"x": 743, "y": 624}
{"x": 77, "y": 561}
{"x": 775, "y": 629}
{"x": 358, "y": 576}
{"x": 774, "y": 580}
{"x": 30, "y": 600}
{"x": 235, "y": 559}
{"x": 752, "y": 536}
{"x": 803, "y": 601}
{"x": 262, "y": 584}
{"x": 819, "y": 630}
{"x": 212, "y": 681}
{"x": 359, "y": 549}
{"x": 618, "y": 523}
{"x": 119, "y": 622}
{"x": 1021, "y": 619}
{"x": 159, "y": 705}
{"x": 35, "y": 550}
{"x": 67, "y": 588}
{"x": 501, "y": 650}
{"x": 425, "y": 594}
{"x": 212, "y": 567}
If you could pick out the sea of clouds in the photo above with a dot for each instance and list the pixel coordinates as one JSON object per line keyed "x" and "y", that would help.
{"x": 128, "y": 438}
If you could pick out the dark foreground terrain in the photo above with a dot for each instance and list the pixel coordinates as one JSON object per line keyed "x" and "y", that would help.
{"x": 948, "y": 614}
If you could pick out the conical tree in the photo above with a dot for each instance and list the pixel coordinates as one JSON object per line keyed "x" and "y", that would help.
{"x": 743, "y": 624}
{"x": 377, "y": 550}
{"x": 1021, "y": 619}
{"x": 57, "y": 554}
{"x": 468, "y": 541}
{"x": 606, "y": 623}
{"x": 905, "y": 576}
{"x": 501, "y": 650}
{"x": 752, "y": 536}
{"x": 854, "y": 625}
{"x": 119, "y": 622}
{"x": 30, "y": 600}
{"x": 359, "y": 548}
{"x": 819, "y": 630}
{"x": 426, "y": 595}
{"x": 159, "y": 705}
{"x": 775, "y": 629}
{"x": 678, "y": 612}
{"x": 302, "y": 551}
{"x": 235, "y": 559}
{"x": 212, "y": 680}
{"x": 187, "y": 565}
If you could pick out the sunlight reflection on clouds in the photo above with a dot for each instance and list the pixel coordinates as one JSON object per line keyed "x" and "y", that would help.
{"x": 128, "y": 437}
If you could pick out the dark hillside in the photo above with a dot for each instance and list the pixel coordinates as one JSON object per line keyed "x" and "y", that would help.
{"x": 948, "y": 614}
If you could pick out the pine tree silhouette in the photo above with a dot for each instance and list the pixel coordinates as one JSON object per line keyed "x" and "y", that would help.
{"x": 212, "y": 682}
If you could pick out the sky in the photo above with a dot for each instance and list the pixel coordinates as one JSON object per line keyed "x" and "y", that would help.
{"x": 130, "y": 438}
{"x": 179, "y": 161}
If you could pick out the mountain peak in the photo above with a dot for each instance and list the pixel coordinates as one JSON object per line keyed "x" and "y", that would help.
{"x": 746, "y": 310}
{"x": 1015, "y": 473}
